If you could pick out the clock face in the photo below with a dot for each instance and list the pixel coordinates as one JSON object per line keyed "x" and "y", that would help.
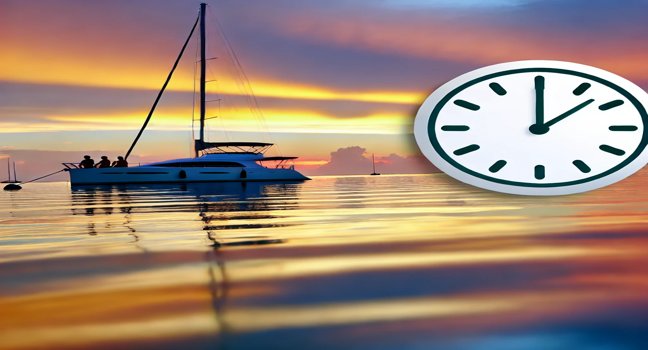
{"x": 535, "y": 128}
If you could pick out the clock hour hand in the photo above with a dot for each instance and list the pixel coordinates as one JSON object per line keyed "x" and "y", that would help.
{"x": 568, "y": 113}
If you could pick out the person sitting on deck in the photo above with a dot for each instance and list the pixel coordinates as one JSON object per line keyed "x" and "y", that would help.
{"x": 103, "y": 163}
{"x": 120, "y": 163}
{"x": 87, "y": 162}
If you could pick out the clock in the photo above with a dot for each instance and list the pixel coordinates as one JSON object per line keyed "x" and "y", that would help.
{"x": 535, "y": 128}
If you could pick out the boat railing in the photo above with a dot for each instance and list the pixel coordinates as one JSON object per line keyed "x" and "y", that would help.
{"x": 285, "y": 166}
{"x": 71, "y": 165}
{"x": 280, "y": 165}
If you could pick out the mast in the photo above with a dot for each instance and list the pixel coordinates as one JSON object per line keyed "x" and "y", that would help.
{"x": 15, "y": 177}
{"x": 9, "y": 169}
{"x": 202, "y": 75}
{"x": 373, "y": 161}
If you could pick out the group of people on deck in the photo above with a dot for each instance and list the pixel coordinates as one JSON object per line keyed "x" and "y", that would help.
{"x": 88, "y": 162}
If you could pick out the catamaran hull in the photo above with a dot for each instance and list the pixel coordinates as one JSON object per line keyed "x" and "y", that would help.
{"x": 146, "y": 175}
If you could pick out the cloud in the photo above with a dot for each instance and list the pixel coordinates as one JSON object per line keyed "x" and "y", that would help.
{"x": 355, "y": 160}
{"x": 595, "y": 33}
{"x": 349, "y": 160}
{"x": 74, "y": 48}
{"x": 358, "y": 67}
{"x": 48, "y": 108}
{"x": 319, "y": 49}
{"x": 468, "y": 4}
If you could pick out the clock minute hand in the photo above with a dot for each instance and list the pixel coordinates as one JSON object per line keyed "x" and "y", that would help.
{"x": 568, "y": 113}
{"x": 539, "y": 95}
{"x": 539, "y": 127}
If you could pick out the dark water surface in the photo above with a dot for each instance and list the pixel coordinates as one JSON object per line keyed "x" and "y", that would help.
{"x": 386, "y": 262}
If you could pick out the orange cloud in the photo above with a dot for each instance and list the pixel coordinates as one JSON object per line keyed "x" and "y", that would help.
{"x": 74, "y": 47}
{"x": 25, "y": 66}
{"x": 276, "y": 120}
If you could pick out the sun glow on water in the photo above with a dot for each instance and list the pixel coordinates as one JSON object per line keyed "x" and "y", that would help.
{"x": 412, "y": 254}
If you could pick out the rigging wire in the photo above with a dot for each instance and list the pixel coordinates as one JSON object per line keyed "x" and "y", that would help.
{"x": 220, "y": 98}
{"x": 245, "y": 82}
{"x": 42, "y": 177}
{"x": 159, "y": 95}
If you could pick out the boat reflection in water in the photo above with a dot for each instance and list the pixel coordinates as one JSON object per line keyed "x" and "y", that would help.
{"x": 218, "y": 204}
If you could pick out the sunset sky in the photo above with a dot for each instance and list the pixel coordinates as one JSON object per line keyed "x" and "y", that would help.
{"x": 79, "y": 76}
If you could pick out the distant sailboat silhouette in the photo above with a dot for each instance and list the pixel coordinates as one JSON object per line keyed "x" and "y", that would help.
{"x": 12, "y": 185}
{"x": 15, "y": 178}
{"x": 373, "y": 161}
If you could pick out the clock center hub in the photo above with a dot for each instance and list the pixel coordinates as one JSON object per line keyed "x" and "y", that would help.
{"x": 538, "y": 129}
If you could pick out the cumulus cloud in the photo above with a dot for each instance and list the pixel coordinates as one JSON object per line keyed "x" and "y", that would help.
{"x": 349, "y": 160}
{"x": 356, "y": 160}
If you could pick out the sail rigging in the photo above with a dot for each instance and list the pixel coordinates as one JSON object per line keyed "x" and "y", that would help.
{"x": 213, "y": 161}
{"x": 200, "y": 145}
{"x": 157, "y": 99}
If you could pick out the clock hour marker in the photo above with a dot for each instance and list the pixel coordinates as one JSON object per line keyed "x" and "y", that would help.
{"x": 466, "y": 104}
{"x": 497, "y": 88}
{"x": 623, "y": 128}
{"x": 497, "y": 166}
{"x": 467, "y": 149}
{"x": 581, "y": 166}
{"x": 455, "y": 128}
{"x": 613, "y": 150}
{"x": 610, "y": 105}
{"x": 581, "y": 88}
{"x": 539, "y": 172}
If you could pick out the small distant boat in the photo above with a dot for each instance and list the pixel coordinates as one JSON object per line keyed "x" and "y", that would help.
{"x": 12, "y": 185}
{"x": 373, "y": 161}
{"x": 15, "y": 180}
{"x": 213, "y": 161}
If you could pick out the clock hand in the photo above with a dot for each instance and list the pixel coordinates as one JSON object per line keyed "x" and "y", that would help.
{"x": 539, "y": 92}
{"x": 539, "y": 127}
{"x": 568, "y": 113}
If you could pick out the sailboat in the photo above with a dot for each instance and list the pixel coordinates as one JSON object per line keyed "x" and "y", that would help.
{"x": 15, "y": 178}
{"x": 373, "y": 161}
{"x": 212, "y": 162}
{"x": 12, "y": 185}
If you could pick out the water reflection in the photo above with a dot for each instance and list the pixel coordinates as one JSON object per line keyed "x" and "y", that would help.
{"x": 219, "y": 288}
{"x": 227, "y": 196}
{"x": 389, "y": 262}
{"x": 221, "y": 206}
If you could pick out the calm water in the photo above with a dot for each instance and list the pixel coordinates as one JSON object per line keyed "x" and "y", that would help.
{"x": 387, "y": 262}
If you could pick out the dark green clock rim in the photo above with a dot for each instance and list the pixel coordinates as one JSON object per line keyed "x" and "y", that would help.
{"x": 638, "y": 106}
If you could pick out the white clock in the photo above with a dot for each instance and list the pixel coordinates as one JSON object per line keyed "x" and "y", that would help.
{"x": 535, "y": 128}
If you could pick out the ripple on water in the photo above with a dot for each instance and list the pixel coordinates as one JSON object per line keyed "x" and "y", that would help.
{"x": 336, "y": 262}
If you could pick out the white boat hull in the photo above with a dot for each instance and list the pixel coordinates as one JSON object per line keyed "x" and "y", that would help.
{"x": 150, "y": 174}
